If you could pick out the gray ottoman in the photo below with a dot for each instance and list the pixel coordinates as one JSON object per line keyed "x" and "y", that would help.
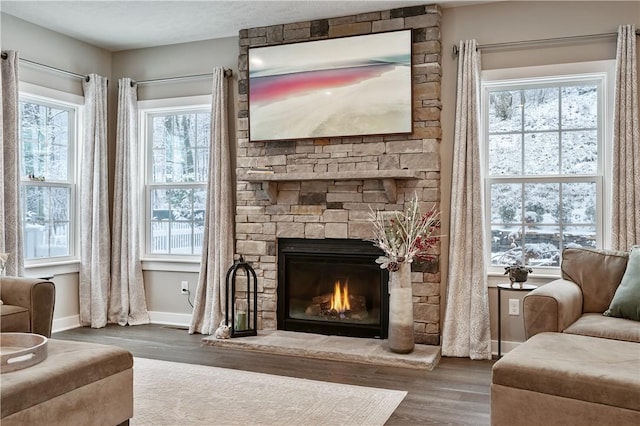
{"x": 566, "y": 379}
{"x": 78, "y": 384}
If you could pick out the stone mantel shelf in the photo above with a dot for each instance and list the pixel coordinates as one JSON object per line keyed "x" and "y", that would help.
{"x": 388, "y": 178}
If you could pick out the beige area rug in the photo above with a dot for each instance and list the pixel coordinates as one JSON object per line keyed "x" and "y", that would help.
{"x": 338, "y": 348}
{"x": 169, "y": 393}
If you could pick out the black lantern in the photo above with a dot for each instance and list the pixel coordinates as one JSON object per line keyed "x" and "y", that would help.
{"x": 242, "y": 300}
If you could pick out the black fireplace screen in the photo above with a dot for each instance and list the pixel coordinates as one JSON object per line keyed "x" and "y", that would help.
{"x": 331, "y": 287}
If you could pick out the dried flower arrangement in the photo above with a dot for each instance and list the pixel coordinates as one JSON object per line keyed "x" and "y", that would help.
{"x": 405, "y": 236}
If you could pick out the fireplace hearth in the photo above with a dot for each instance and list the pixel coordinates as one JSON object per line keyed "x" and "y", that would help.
{"x": 332, "y": 287}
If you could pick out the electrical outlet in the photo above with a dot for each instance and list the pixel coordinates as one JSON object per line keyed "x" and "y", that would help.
{"x": 514, "y": 307}
{"x": 184, "y": 287}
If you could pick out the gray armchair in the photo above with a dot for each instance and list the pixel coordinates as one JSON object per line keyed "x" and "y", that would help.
{"x": 27, "y": 305}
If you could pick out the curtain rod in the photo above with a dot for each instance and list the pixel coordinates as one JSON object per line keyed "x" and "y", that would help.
{"x": 49, "y": 67}
{"x": 227, "y": 73}
{"x": 543, "y": 40}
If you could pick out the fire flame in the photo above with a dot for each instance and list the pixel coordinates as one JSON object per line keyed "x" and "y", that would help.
{"x": 340, "y": 297}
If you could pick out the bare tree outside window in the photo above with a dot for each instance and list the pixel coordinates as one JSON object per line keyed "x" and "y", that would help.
{"x": 179, "y": 159}
{"x": 47, "y": 143}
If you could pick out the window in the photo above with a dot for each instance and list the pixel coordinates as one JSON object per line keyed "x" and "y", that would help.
{"x": 177, "y": 146}
{"x": 48, "y": 140}
{"x": 544, "y": 166}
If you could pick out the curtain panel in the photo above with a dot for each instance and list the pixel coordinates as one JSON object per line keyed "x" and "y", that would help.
{"x": 466, "y": 331}
{"x": 217, "y": 244}
{"x": 127, "y": 302}
{"x": 10, "y": 204}
{"x": 95, "y": 242}
{"x": 626, "y": 144}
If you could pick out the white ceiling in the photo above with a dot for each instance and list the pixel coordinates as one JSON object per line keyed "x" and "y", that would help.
{"x": 121, "y": 25}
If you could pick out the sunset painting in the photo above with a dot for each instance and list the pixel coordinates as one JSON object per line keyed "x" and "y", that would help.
{"x": 340, "y": 87}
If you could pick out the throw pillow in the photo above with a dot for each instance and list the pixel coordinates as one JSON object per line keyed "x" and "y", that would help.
{"x": 626, "y": 300}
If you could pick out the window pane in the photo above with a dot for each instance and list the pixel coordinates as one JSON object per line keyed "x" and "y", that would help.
{"x": 46, "y": 214}
{"x": 505, "y": 154}
{"x": 505, "y": 112}
{"x": 159, "y": 166}
{"x": 45, "y": 141}
{"x": 159, "y": 237}
{"x": 57, "y": 166}
{"x": 203, "y": 125}
{"x": 202, "y": 165}
{"x": 177, "y": 222}
{"x": 579, "y": 203}
{"x": 199, "y": 203}
{"x": 506, "y": 244}
{"x": 542, "y": 246}
{"x": 181, "y": 238}
{"x": 506, "y": 203}
{"x": 580, "y": 152}
{"x": 541, "y": 203}
{"x": 181, "y": 202}
{"x": 59, "y": 239}
{"x": 579, "y": 236}
{"x": 541, "y": 154}
{"x": 174, "y": 140}
{"x": 580, "y": 107}
{"x": 159, "y": 205}
{"x": 541, "y": 108}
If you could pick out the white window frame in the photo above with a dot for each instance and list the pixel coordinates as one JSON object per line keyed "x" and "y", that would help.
{"x": 146, "y": 110}
{"x": 595, "y": 70}
{"x": 55, "y": 98}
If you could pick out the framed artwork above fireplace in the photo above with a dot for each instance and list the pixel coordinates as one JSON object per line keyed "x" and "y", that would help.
{"x": 359, "y": 85}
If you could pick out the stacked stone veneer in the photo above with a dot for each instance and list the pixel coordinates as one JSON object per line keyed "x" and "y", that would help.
{"x": 340, "y": 208}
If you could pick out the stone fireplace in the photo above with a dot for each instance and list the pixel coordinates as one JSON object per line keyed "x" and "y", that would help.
{"x": 323, "y": 189}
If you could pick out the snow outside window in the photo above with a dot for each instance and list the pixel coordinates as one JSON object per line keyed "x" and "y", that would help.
{"x": 544, "y": 171}
{"x": 177, "y": 158}
{"x": 48, "y": 142}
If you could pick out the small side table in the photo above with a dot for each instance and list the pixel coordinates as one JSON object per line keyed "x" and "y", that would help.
{"x": 510, "y": 287}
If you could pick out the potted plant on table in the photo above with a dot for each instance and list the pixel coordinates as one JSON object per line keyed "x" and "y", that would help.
{"x": 518, "y": 273}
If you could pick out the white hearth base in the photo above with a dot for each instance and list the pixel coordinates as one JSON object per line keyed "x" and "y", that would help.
{"x": 339, "y": 348}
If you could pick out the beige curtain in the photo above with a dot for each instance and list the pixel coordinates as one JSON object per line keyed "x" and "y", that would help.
{"x": 127, "y": 303}
{"x": 626, "y": 144}
{"x": 217, "y": 245}
{"x": 10, "y": 207}
{"x": 466, "y": 331}
{"x": 95, "y": 252}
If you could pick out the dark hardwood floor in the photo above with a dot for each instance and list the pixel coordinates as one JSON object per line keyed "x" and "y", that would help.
{"x": 456, "y": 392}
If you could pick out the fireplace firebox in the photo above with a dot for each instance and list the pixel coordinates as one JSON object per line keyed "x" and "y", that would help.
{"x": 333, "y": 287}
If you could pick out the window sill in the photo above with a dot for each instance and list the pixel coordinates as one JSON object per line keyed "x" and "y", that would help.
{"x": 171, "y": 265}
{"x": 52, "y": 268}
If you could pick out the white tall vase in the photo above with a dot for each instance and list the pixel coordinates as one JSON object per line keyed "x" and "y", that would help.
{"x": 400, "y": 337}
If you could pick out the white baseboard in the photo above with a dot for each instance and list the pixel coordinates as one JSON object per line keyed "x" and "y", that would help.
{"x": 170, "y": 318}
{"x": 504, "y": 346}
{"x": 165, "y": 318}
{"x": 66, "y": 323}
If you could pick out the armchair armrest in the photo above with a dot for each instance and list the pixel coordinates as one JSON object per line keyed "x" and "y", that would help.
{"x": 36, "y": 295}
{"x": 552, "y": 307}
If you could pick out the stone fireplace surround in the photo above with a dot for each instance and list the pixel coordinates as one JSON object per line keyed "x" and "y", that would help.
{"x": 324, "y": 188}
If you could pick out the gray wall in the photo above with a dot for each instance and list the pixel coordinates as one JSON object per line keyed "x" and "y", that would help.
{"x": 512, "y": 21}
